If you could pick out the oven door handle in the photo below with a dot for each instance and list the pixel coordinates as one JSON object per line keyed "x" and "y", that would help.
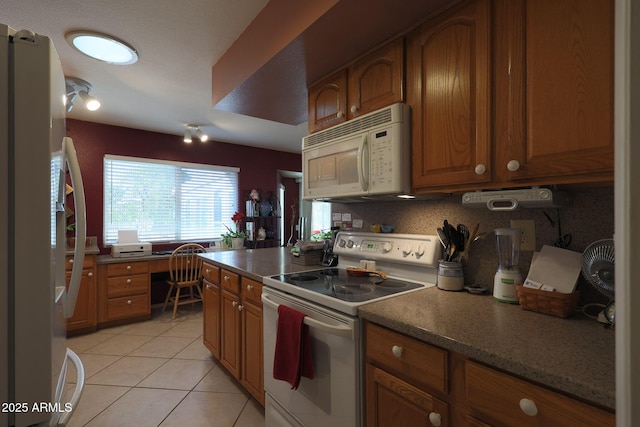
{"x": 342, "y": 331}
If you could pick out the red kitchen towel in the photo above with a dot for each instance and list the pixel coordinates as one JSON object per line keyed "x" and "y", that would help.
{"x": 292, "y": 358}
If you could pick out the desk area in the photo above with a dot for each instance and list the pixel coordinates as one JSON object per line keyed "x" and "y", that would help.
{"x": 124, "y": 287}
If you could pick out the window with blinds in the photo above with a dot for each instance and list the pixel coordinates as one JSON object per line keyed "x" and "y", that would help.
{"x": 167, "y": 201}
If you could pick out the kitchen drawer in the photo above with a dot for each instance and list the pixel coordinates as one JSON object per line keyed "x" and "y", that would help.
{"x": 211, "y": 273}
{"x": 88, "y": 262}
{"x": 503, "y": 398}
{"x": 230, "y": 281}
{"x": 408, "y": 358}
{"x": 127, "y": 268}
{"x": 119, "y": 308}
{"x": 127, "y": 285}
{"x": 252, "y": 290}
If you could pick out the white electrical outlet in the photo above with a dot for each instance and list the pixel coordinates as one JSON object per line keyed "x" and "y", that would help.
{"x": 528, "y": 239}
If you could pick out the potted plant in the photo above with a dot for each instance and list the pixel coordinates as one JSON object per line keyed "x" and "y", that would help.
{"x": 234, "y": 239}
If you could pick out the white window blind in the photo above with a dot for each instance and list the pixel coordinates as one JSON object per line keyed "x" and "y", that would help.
{"x": 167, "y": 201}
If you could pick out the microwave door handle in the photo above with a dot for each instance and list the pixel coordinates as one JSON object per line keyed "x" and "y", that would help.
{"x": 342, "y": 331}
{"x": 363, "y": 163}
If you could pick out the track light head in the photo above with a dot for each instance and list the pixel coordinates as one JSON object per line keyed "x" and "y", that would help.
{"x": 187, "y": 134}
{"x": 203, "y": 136}
{"x": 78, "y": 88}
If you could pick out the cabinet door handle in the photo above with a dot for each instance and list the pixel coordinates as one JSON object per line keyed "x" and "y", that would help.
{"x": 207, "y": 271}
{"x": 480, "y": 169}
{"x": 435, "y": 419}
{"x": 396, "y": 350}
{"x": 354, "y": 109}
{"x": 529, "y": 407}
{"x": 234, "y": 304}
{"x": 225, "y": 278}
{"x": 339, "y": 114}
{"x": 249, "y": 288}
{"x": 513, "y": 165}
{"x": 71, "y": 261}
{"x": 240, "y": 308}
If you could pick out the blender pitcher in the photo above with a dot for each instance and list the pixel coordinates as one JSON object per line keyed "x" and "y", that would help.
{"x": 508, "y": 274}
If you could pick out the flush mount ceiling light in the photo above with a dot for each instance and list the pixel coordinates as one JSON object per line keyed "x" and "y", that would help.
{"x": 102, "y": 47}
{"x": 79, "y": 89}
{"x": 191, "y": 130}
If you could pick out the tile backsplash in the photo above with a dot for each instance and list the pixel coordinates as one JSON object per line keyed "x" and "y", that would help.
{"x": 590, "y": 217}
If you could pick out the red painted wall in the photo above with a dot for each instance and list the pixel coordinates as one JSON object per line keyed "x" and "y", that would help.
{"x": 258, "y": 167}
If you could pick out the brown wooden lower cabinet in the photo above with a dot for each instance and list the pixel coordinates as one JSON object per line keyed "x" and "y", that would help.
{"x": 233, "y": 326}
{"x": 124, "y": 292}
{"x": 472, "y": 394}
{"x": 84, "y": 315}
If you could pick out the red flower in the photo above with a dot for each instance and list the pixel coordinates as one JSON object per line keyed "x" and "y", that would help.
{"x": 237, "y": 217}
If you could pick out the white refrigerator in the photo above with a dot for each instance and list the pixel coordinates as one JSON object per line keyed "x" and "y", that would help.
{"x": 34, "y": 301}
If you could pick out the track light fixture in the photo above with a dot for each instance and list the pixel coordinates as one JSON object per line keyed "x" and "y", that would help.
{"x": 191, "y": 130}
{"x": 79, "y": 89}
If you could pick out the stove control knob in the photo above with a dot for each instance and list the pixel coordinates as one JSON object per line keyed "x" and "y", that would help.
{"x": 420, "y": 250}
{"x": 350, "y": 244}
{"x": 407, "y": 250}
{"x": 341, "y": 243}
{"x": 386, "y": 247}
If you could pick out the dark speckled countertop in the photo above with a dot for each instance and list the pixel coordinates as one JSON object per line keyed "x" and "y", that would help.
{"x": 258, "y": 263}
{"x": 574, "y": 355}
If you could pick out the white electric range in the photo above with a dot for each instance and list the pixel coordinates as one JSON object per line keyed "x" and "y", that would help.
{"x": 330, "y": 297}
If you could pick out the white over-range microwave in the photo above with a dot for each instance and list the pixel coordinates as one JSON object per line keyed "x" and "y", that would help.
{"x": 362, "y": 159}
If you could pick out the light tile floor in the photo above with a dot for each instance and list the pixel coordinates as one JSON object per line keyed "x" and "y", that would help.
{"x": 158, "y": 373}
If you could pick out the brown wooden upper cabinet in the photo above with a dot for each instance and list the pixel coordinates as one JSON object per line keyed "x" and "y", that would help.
{"x": 448, "y": 88}
{"x": 365, "y": 85}
{"x": 508, "y": 93}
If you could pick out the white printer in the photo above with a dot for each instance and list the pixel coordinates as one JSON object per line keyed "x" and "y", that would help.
{"x": 121, "y": 250}
{"x": 129, "y": 246}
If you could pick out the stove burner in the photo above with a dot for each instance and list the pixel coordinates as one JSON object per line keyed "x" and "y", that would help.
{"x": 303, "y": 278}
{"x": 390, "y": 283}
{"x": 352, "y": 289}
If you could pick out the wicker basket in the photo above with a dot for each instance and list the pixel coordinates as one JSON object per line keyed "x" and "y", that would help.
{"x": 553, "y": 303}
{"x": 307, "y": 258}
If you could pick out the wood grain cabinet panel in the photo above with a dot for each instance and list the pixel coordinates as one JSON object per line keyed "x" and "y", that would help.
{"x": 376, "y": 80}
{"x": 230, "y": 333}
{"x": 502, "y": 399}
{"x": 211, "y": 308}
{"x": 554, "y": 90}
{"x": 448, "y": 67}
{"x": 85, "y": 318}
{"x": 328, "y": 101}
{"x": 393, "y": 402}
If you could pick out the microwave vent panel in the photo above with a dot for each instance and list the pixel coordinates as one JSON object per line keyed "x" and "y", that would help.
{"x": 361, "y": 124}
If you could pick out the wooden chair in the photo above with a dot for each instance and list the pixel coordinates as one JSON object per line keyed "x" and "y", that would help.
{"x": 185, "y": 271}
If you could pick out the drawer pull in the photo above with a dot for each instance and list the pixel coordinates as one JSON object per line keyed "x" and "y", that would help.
{"x": 529, "y": 407}
{"x": 207, "y": 271}
{"x": 128, "y": 280}
{"x": 71, "y": 261}
{"x": 249, "y": 288}
{"x": 435, "y": 419}
{"x": 226, "y": 278}
{"x": 129, "y": 302}
{"x": 234, "y": 304}
{"x": 90, "y": 274}
{"x": 128, "y": 267}
{"x": 396, "y": 350}
{"x": 240, "y": 308}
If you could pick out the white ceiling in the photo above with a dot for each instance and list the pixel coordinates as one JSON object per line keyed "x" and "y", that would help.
{"x": 178, "y": 42}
